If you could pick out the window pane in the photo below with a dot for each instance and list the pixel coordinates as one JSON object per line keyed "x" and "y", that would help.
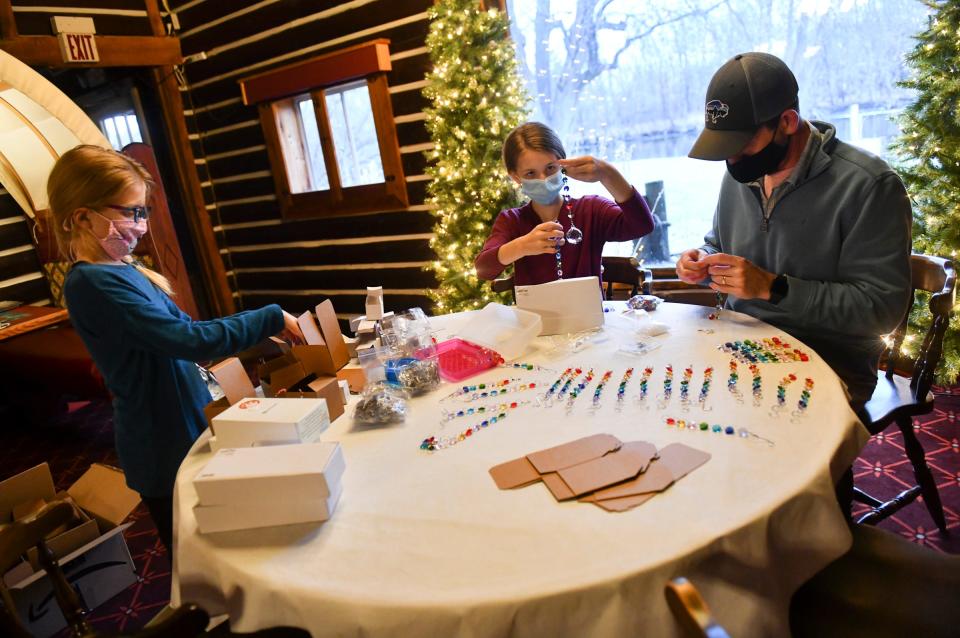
{"x": 122, "y": 130}
{"x": 314, "y": 152}
{"x": 110, "y": 130}
{"x": 354, "y": 135}
{"x": 628, "y": 86}
{"x": 134, "y": 127}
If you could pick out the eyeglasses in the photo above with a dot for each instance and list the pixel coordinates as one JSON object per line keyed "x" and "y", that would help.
{"x": 138, "y": 212}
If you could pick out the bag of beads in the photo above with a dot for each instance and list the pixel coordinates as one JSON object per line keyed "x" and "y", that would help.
{"x": 381, "y": 404}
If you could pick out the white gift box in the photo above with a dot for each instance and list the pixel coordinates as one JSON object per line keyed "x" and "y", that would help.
{"x": 261, "y": 475}
{"x": 284, "y": 510}
{"x": 271, "y": 421}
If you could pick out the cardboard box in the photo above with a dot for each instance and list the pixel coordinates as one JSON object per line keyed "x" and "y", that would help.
{"x": 271, "y": 421}
{"x": 282, "y": 511}
{"x": 262, "y": 474}
{"x": 234, "y": 382}
{"x": 94, "y": 555}
{"x": 302, "y": 372}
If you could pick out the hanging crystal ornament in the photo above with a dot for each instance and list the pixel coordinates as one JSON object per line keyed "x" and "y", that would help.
{"x": 574, "y": 235}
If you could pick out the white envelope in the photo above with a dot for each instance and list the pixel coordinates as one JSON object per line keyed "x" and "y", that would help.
{"x": 564, "y": 305}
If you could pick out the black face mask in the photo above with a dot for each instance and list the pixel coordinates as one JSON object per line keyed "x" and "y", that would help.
{"x": 752, "y": 167}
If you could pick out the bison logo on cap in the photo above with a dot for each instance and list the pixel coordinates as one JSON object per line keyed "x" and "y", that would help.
{"x": 716, "y": 110}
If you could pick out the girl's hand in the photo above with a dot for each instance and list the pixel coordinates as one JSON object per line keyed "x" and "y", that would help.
{"x": 544, "y": 238}
{"x": 585, "y": 169}
{"x": 291, "y": 330}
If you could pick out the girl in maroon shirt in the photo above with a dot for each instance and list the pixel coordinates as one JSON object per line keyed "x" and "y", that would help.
{"x": 528, "y": 236}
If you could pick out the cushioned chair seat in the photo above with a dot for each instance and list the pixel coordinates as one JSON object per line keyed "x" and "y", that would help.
{"x": 51, "y": 361}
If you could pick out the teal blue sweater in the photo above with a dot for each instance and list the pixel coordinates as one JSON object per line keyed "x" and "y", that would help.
{"x": 145, "y": 346}
{"x": 841, "y": 235}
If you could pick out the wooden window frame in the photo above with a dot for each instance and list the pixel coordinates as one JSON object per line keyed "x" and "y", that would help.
{"x": 276, "y": 93}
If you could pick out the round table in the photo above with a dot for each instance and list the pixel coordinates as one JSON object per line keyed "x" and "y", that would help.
{"x": 426, "y": 544}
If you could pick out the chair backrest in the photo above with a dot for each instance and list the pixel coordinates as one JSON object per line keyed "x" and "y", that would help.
{"x": 17, "y": 537}
{"x": 691, "y": 611}
{"x": 620, "y": 270}
{"x": 936, "y": 276}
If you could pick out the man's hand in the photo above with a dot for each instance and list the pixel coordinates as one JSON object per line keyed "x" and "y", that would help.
{"x": 689, "y": 267}
{"x": 737, "y": 276}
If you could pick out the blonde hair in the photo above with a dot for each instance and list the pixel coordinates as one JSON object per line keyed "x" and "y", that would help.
{"x": 532, "y": 136}
{"x": 92, "y": 177}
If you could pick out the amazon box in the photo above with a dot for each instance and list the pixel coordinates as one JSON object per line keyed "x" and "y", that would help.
{"x": 92, "y": 553}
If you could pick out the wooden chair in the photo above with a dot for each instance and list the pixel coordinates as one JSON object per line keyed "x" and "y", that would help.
{"x": 903, "y": 389}
{"x": 691, "y": 611}
{"x": 616, "y": 270}
{"x": 885, "y": 586}
{"x": 186, "y": 621}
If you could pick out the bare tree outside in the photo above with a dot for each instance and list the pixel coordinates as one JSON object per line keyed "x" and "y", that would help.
{"x": 625, "y": 79}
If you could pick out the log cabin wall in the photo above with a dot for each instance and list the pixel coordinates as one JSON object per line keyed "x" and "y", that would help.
{"x": 299, "y": 263}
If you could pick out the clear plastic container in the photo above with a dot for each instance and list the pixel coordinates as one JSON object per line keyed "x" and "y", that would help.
{"x": 505, "y": 329}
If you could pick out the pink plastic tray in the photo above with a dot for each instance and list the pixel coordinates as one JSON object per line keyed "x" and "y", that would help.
{"x": 461, "y": 359}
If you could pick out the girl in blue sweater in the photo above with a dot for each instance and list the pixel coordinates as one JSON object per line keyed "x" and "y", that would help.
{"x": 142, "y": 343}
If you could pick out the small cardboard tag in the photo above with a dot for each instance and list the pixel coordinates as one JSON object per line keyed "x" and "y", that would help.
{"x": 682, "y": 459}
{"x": 574, "y": 452}
{"x": 625, "y": 463}
{"x": 625, "y": 503}
{"x": 516, "y": 473}
{"x": 557, "y": 487}
{"x": 657, "y": 478}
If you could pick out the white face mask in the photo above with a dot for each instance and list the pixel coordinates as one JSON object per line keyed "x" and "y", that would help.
{"x": 543, "y": 191}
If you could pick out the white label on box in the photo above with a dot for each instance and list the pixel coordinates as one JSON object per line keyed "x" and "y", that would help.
{"x": 312, "y": 427}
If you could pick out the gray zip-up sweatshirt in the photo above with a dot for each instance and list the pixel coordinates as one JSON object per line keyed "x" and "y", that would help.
{"x": 841, "y": 235}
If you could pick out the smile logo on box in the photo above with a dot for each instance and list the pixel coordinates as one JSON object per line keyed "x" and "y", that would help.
{"x": 249, "y": 403}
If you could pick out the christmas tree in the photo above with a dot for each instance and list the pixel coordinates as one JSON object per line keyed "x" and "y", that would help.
{"x": 929, "y": 149}
{"x": 476, "y": 98}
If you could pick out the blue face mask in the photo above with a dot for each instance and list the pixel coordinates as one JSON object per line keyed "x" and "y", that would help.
{"x": 543, "y": 191}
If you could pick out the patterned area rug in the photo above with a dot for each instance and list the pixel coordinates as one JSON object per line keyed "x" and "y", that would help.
{"x": 85, "y": 436}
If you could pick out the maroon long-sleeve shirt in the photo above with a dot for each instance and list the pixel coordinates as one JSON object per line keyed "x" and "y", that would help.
{"x": 600, "y": 219}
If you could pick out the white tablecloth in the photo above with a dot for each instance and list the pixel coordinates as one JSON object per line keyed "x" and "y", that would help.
{"x": 426, "y": 545}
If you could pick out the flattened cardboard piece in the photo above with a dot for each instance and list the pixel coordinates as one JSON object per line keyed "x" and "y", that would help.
{"x": 330, "y": 329}
{"x": 516, "y": 473}
{"x": 37, "y": 482}
{"x": 354, "y": 377}
{"x": 574, "y": 452}
{"x": 233, "y": 380}
{"x": 103, "y": 493}
{"x": 609, "y": 469}
{"x": 657, "y": 478}
{"x": 682, "y": 459}
{"x": 625, "y": 503}
{"x": 557, "y": 487}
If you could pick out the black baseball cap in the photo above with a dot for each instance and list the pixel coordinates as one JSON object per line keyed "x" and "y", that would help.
{"x": 748, "y": 90}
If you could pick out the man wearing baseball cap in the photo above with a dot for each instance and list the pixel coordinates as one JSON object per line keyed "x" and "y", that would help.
{"x": 810, "y": 234}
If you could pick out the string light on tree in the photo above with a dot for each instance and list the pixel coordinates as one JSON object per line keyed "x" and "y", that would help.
{"x": 929, "y": 149}
{"x": 476, "y": 97}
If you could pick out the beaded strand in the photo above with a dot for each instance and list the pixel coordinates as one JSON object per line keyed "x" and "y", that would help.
{"x": 622, "y": 388}
{"x": 579, "y": 388}
{"x": 716, "y": 428}
{"x": 596, "y": 391}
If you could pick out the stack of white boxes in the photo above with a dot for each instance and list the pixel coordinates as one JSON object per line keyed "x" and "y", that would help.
{"x": 249, "y": 487}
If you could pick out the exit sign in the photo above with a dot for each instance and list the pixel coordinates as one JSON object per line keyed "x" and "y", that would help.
{"x": 75, "y": 36}
{"x": 78, "y": 47}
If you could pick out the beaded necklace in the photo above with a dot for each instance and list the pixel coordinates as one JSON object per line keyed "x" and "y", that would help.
{"x": 622, "y": 388}
{"x": 804, "y": 398}
{"x": 573, "y": 235}
{"x": 667, "y": 387}
{"x": 716, "y": 428}
{"x": 705, "y": 388}
{"x": 577, "y": 389}
{"x": 596, "y": 391}
{"x": 434, "y": 443}
{"x": 469, "y": 389}
{"x": 450, "y": 415}
{"x": 732, "y": 382}
{"x": 644, "y": 386}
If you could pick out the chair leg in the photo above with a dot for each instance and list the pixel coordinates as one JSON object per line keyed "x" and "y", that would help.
{"x": 928, "y": 487}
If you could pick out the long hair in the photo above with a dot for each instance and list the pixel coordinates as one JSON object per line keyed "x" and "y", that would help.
{"x": 533, "y": 136}
{"x": 92, "y": 177}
